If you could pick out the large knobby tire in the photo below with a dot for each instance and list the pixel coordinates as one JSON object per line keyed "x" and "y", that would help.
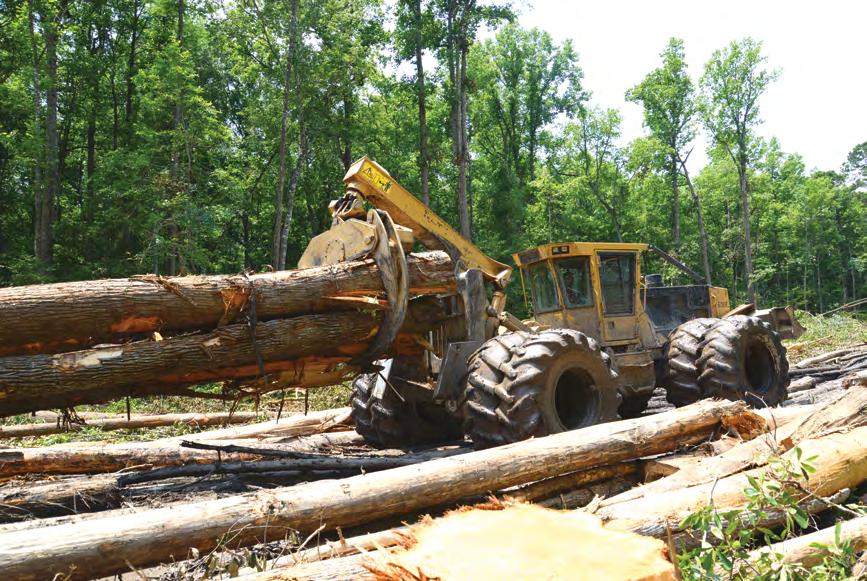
{"x": 744, "y": 359}
{"x": 392, "y": 422}
{"x": 524, "y": 385}
{"x": 680, "y": 371}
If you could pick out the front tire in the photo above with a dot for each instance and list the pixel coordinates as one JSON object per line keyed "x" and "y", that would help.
{"x": 524, "y": 385}
{"x": 410, "y": 418}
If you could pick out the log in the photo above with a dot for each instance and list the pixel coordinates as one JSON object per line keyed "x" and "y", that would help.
{"x": 109, "y": 545}
{"x": 307, "y": 350}
{"x": 292, "y": 426}
{"x": 27, "y": 499}
{"x": 78, "y": 458}
{"x": 841, "y": 462}
{"x": 523, "y": 541}
{"x": 841, "y": 415}
{"x": 51, "y": 318}
{"x": 368, "y": 463}
{"x": 802, "y": 549}
{"x": 195, "y": 420}
{"x": 828, "y": 356}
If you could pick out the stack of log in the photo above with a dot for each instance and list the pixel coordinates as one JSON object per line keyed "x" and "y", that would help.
{"x": 256, "y": 487}
{"x": 88, "y": 342}
{"x": 310, "y": 500}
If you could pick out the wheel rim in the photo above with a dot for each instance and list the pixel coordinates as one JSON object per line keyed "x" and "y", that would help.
{"x": 575, "y": 399}
{"x": 759, "y": 367}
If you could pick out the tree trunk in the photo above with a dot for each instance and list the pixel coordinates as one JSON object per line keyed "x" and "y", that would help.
{"x": 131, "y": 71}
{"x": 675, "y": 202}
{"x": 463, "y": 149}
{"x": 303, "y": 351}
{"x": 281, "y": 162}
{"x": 423, "y": 160}
{"x": 70, "y": 316}
{"x": 702, "y": 232}
{"x": 748, "y": 243}
{"x": 45, "y": 203}
{"x": 38, "y": 155}
{"x": 28, "y": 499}
{"x": 110, "y": 544}
{"x": 135, "y": 422}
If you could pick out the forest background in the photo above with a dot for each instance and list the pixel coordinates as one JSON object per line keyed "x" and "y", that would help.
{"x": 205, "y": 136}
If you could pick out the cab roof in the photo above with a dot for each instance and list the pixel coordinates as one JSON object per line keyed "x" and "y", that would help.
{"x": 562, "y": 249}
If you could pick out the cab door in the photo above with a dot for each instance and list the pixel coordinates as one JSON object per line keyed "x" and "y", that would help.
{"x": 618, "y": 283}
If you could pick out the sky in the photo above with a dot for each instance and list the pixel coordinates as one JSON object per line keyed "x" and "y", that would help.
{"x": 818, "y": 106}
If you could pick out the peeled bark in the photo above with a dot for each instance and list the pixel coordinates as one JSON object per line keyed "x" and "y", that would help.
{"x": 110, "y": 544}
{"x": 194, "y": 420}
{"x": 303, "y": 351}
{"x": 70, "y": 316}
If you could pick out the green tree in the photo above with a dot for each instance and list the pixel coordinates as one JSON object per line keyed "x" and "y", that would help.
{"x": 734, "y": 79}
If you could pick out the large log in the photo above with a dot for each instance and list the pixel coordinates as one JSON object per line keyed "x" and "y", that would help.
{"x": 194, "y": 420}
{"x": 843, "y": 414}
{"x": 807, "y": 550}
{"x": 304, "y": 351}
{"x": 69, "y": 316}
{"x": 840, "y": 462}
{"x": 108, "y": 545}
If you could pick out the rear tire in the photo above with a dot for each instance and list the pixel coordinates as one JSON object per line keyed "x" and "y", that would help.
{"x": 744, "y": 359}
{"x": 680, "y": 374}
{"x": 524, "y": 385}
{"x": 392, "y": 422}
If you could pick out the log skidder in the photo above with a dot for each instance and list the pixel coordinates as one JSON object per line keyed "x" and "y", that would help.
{"x": 738, "y": 357}
{"x": 523, "y": 385}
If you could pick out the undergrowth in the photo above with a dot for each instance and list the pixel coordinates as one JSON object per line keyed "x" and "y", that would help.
{"x": 825, "y": 334}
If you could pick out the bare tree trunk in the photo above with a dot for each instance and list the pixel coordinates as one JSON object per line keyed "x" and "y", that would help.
{"x": 748, "y": 244}
{"x": 45, "y": 204}
{"x": 39, "y": 152}
{"x": 702, "y": 233}
{"x": 462, "y": 159}
{"x": 423, "y": 161}
{"x": 131, "y": 70}
{"x": 292, "y": 69}
{"x": 281, "y": 164}
{"x": 675, "y": 202}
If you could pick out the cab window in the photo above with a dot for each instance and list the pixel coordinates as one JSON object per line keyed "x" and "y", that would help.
{"x": 617, "y": 275}
{"x": 574, "y": 275}
{"x": 543, "y": 288}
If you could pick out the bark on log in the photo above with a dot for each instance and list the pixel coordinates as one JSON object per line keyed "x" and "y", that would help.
{"x": 27, "y": 499}
{"x": 83, "y": 458}
{"x": 802, "y": 550}
{"x": 141, "y": 421}
{"x": 52, "y": 318}
{"x": 108, "y": 545}
{"x": 292, "y": 426}
{"x": 841, "y": 462}
{"x": 843, "y": 414}
{"x": 303, "y": 351}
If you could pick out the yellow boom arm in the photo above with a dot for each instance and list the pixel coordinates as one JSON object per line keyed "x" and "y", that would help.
{"x": 375, "y": 185}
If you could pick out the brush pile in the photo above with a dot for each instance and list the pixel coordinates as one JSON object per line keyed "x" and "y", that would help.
{"x": 303, "y": 496}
